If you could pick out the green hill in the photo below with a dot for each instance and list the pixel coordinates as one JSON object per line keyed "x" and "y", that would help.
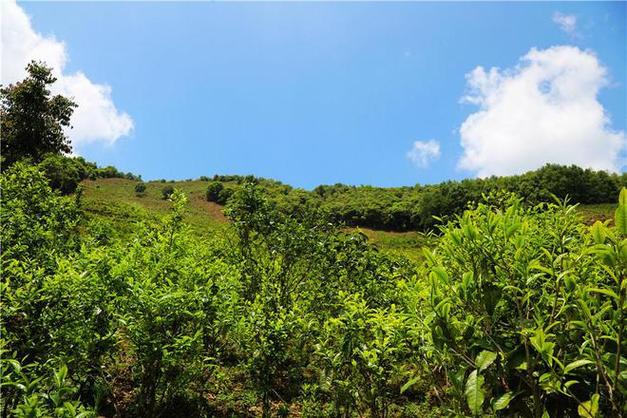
{"x": 115, "y": 202}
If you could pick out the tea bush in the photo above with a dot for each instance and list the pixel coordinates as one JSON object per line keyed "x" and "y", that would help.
{"x": 526, "y": 311}
{"x": 166, "y": 192}
{"x": 140, "y": 189}
{"x": 516, "y": 311}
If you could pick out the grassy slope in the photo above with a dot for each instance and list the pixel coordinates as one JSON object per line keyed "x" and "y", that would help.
{"x": 598, "y": 212}
{"x": 115, "y": 201}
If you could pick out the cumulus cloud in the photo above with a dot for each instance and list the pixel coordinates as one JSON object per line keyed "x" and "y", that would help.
{"x": 545, "y": 110}
{"x": 567, "y": 23}
{"x": 96, "y": 118}
{"x": 423, "y": 152}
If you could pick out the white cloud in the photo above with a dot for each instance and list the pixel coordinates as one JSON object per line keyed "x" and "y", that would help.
{"x": 567, "y": 23}
{"x": 96, "y": 118}
{"x": 545, "y": 110}
{"x": 423, "y": 152}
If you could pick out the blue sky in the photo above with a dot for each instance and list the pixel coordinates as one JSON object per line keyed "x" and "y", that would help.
{"x": 319, "y": 93}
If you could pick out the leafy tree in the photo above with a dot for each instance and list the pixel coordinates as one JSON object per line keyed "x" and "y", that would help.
{"x": 213, "y": 191}
{"x": 166, "y": 192}
{"x": 140, "y": 188}
{"x": 112, "y": 172}
{"x": 33, "y": 121}
{"x": 65, "y": 173}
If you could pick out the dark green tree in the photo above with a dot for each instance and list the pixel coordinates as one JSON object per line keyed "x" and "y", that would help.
{"x": 32, "y": 120}
{"x": 166, "y": 192}
{"x": 213, "y": 191}
{"x": 140, "y": 189}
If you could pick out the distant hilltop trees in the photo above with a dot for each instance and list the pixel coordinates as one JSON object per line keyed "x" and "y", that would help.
{"x": 419, "y": 207}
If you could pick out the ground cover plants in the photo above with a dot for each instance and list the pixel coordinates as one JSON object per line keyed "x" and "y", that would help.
{"x": 515, "y": 310}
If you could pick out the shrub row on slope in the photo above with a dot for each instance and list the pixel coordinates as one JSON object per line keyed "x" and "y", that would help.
{"x": 518, "y": 311}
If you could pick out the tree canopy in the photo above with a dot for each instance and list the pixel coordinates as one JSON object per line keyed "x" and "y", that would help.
{"x": 34, "y": 121}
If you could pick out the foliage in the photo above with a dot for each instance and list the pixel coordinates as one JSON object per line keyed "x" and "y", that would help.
{"x": 28, "y": 394}
{"x": 527, "y": 308}
{"x": 518, "y": 310}
{"x": 33, "y": 121}
{"x": 35, "y": 223}
{"x": 218, "y": 193}
{"x": 140, "y": 189}
{"x": 213, "y": 191}
{"x": 166, "y": 192}
{"x": 362, "y": 353}
{"x": 65, "y": 173}
{"x": 415, "y": 207}
{"x": 424, "y": 207}
{"x": 112, "y": 172}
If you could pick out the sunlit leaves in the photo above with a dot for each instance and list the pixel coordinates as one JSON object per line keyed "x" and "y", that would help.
{"x": 517, "y": 309}
{"x": 576, "y": 364}
{"x": 549, "y": 289}
{"x": 484, "y": 359}
{"x": 598, "y": 232}
{"x": 540, "y": 342}
{"x": 503, "y": 401}
{"x": 590, "y": 408}
{"x": 474, "y": 392}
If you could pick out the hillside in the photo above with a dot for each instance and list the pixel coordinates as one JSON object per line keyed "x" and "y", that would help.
{"x": 115, "y": 201}
{"x": 283, "y": 314}
{"x": 503, "y": 294}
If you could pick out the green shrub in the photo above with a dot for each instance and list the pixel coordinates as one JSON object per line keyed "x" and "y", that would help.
{"x": 65, "y": 173}
{"x": 362, "y": 353}
{"x": 166, "y": 192}
{"x": 213, "y": 191}
{"x": 112, "y": 172}
{"x": 519, "y": 310}
{"x": 26, "y": 393}
{"x": 36, "y": 223}
{"x": 140, "y": 189}
{"x": 526, "y": 311}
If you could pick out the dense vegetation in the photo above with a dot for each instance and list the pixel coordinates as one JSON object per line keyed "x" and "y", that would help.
{"x": 516, "y": 308}
{"x": 419, "y": 207}
{"x": 66, "y": 173}
{"x": 516, "y": 311}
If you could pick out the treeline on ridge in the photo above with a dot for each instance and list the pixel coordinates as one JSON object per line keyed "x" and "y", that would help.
{"x": 418, "y": 207}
